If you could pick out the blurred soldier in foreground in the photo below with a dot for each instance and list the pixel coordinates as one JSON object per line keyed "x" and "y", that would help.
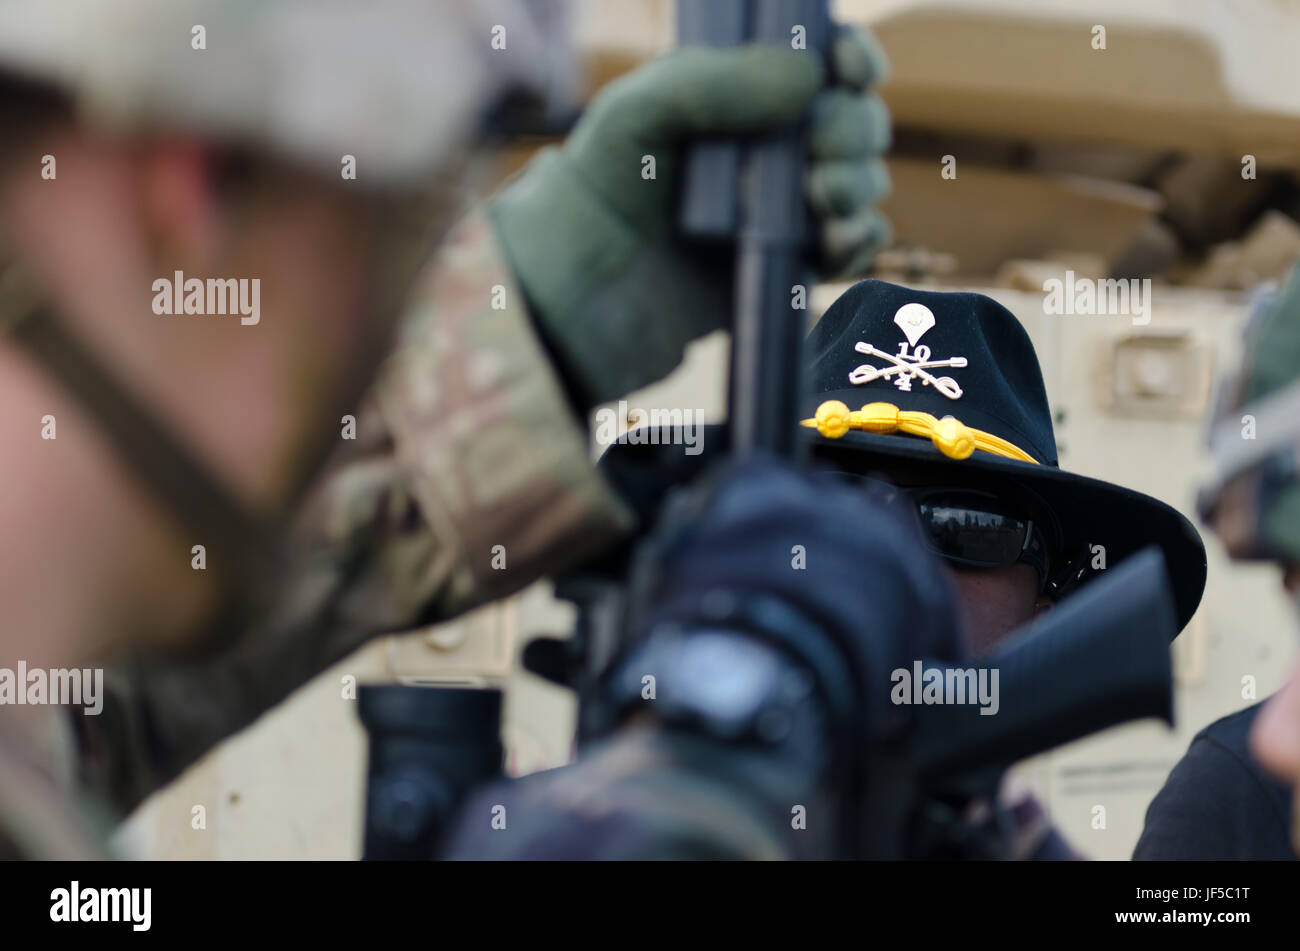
{"x": 194, "y": 296}
{"x": 181, "y": 166}
{"x": 1233, "y": 795}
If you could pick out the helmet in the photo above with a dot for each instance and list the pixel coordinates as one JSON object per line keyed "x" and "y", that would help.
{"x": 1253, "y": 498}
{"x": 399, "y": 84}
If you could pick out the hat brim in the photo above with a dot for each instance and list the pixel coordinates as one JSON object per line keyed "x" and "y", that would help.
{"x": 1088, "y": 511}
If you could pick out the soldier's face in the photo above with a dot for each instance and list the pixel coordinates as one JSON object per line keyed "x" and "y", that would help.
{"x": 993, "y": 602}
{"x": 242, "y": 386}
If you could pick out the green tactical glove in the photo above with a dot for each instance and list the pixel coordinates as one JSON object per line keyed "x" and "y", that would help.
{"x": 592, "y": 237}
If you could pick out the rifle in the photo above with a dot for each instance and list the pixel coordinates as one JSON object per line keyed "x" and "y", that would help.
{"x": 745, "y": 199}
{"x": 1099, "y": 658}
{"x": 752, "y": 193}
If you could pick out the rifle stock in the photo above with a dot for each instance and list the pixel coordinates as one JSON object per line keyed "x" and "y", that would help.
{"x": 1099, "y": 658}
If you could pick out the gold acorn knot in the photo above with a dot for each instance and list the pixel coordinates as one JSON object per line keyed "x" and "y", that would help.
{"x": 832, "y": 419}
{"x": 954, "y": 439}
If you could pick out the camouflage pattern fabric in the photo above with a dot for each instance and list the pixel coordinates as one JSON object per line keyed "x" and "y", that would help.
{"x": 471, "y": 445}
{"x": 400, "y": 86}
{"x": 1272, "y": 363}
{"x": 1253, "y": 435}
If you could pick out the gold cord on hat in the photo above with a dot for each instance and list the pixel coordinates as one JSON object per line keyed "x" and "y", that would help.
{"x": 952, "y": 437}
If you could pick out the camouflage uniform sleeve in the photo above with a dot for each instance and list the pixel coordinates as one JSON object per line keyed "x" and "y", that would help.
{"x": 469, "y": 479}
{"x": 486, "y": 438}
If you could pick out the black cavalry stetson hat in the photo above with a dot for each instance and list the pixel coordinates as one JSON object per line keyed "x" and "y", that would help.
{"x": 887, "y": 364}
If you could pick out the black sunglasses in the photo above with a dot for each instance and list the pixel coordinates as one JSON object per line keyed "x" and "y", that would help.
{"x": 977, "y": 528}
{"x": 980, "y": 529}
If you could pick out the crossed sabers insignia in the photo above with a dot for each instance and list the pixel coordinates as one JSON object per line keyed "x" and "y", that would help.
{"x": 908, "y": 366}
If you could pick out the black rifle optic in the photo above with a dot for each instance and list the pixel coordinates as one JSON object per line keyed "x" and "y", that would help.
{"x": 429, "y": 746}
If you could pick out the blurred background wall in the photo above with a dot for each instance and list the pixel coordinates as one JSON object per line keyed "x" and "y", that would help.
{"x": 1172, "y": 153}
